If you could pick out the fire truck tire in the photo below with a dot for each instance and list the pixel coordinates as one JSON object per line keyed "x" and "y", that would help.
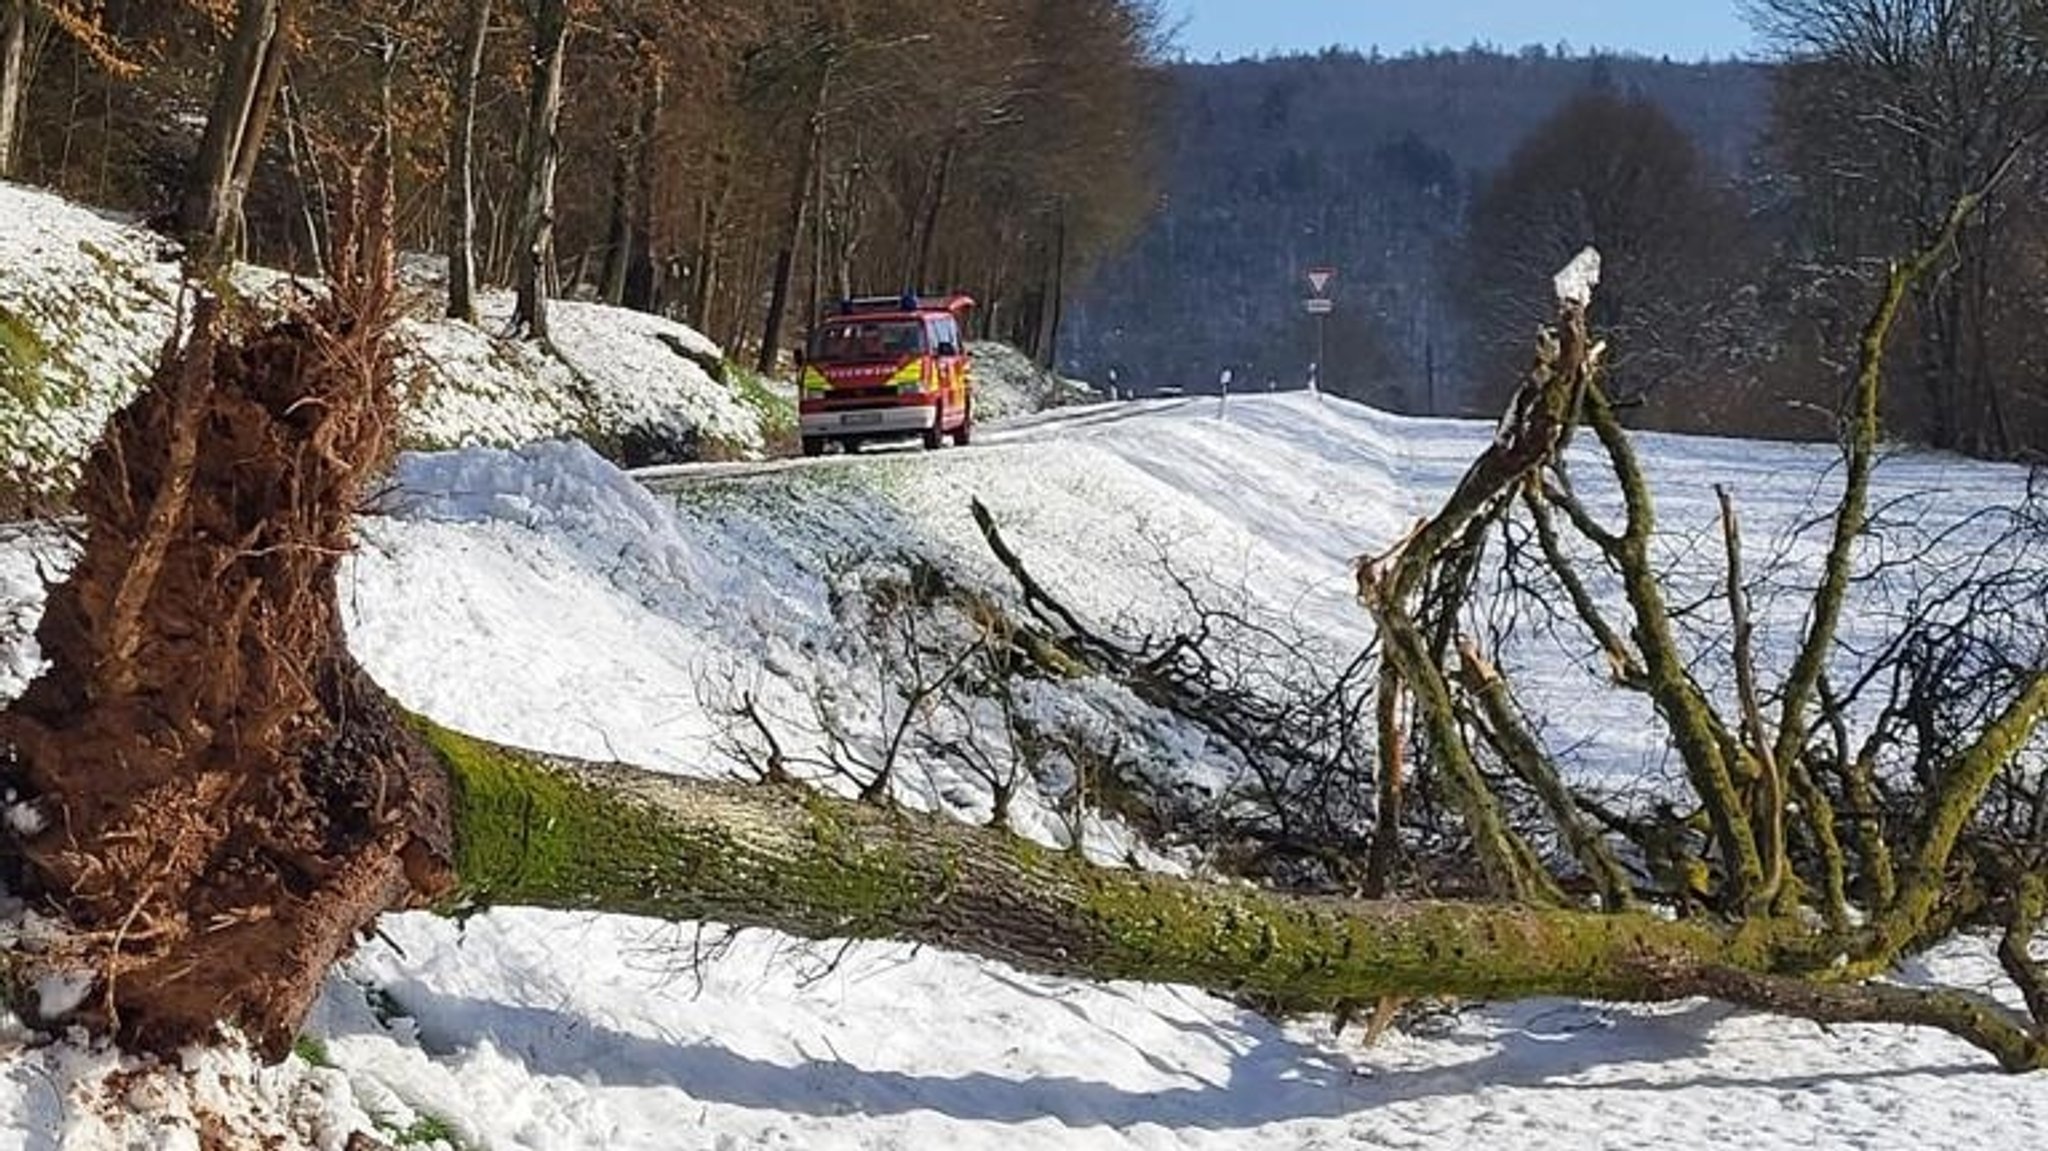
{"x": 965, "y": 432}
{"x": 814, "y": 446}
{"x": 935, "y": 436}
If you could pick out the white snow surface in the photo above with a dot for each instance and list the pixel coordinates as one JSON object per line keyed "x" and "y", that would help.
{"x": 541, "y": 597}
{"x": 85, "y": 304}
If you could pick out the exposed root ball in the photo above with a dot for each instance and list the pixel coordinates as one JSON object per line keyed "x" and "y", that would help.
{"x": 229, "y": 799}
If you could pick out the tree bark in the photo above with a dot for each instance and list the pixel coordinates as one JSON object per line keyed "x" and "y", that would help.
{"x": 793, "y": 228}
{"x": 461, "y": 185}
{"x": 641, "y": 290}
{"x": 13, "y": 78}
{"x": 537, "y": 168}
{"x": 542, "y": 832}
{"x": 1056, "y": 296}
{"x": 234, "y": 125}
{"x": 920, "y": 278}
{"x": 618, "y": 232}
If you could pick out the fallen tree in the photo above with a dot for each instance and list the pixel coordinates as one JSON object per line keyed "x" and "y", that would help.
{"x": 220, "y": 800}
{"x": 546, "y": 832}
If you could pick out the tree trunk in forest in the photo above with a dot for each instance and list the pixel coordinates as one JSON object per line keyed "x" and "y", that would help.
{"x": 223, "y": 798}
{"x": 1059, "y": 293}
{"x": 709, "y": 254}
{"x": 920, "y": 278}
{"x": 461, "y": 185}
{"x": 543, "y": 832}
{"x": 306, "y": 178}
{"x": 209, "y": 214}
{"x": 643, "y": 282}
{"x": 537, "y": 169}
{"x": 13, "y": 79}
{"x": 793, "y": 229}
{"x": 269, "y": 80}
{"x": 618, "y": 233}
{"x": 1047, "y": 344}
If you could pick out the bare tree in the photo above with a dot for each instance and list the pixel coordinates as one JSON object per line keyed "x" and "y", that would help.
{"x": 539, "y": 153}
{"x": 251, "y": 69}
{"x": 1614, "y": 172}
{"x": 461, "y": 190}
{"x": 1886, "y": 114}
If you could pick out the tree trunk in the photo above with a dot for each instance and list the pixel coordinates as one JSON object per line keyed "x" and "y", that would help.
{"x": 537, "y": 168}
{"x": 643, "y": 282}
{"x": 461, "y": 185}
{"x": 306, "y": 176}
{"x": 13, "y": 79}
{"x": 709, "y": 252}
{"x": 618, "y": 231}
{"x": 1045, "y": 341}
{"x": 211, "y": 206}
{"x": 793, "y": 229}
{"x": 920, "y": 278}
{"x": 542, "y": 832}
{"x": 269, "y": 80}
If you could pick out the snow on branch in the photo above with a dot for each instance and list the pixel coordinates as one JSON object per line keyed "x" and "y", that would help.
{"x": 1575, "y": 281}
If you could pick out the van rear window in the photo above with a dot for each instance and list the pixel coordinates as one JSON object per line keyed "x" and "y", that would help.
{"x": 855, "y": 341}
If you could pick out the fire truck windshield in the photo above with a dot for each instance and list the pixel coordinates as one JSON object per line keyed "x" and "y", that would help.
{"x": 856, "y": 340}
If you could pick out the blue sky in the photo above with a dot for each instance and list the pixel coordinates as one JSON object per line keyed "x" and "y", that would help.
{"x": 1681, "y": 29}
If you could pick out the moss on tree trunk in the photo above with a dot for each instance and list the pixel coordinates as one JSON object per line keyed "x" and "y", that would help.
{"x": 543, "y": 832}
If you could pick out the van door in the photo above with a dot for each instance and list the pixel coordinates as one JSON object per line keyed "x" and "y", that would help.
{"x": 951, "y": 361}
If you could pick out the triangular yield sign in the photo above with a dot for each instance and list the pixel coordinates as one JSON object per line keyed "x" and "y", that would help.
{"x": 1319, "y": 278}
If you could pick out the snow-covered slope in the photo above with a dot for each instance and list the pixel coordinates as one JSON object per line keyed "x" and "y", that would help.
{"x": 542, "y": 598}
{"x": 86, "y": 303}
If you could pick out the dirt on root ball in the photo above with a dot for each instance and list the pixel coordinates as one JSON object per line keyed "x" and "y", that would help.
{"x": 228, "y": 800}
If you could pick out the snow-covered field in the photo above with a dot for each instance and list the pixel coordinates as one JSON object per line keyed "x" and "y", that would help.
{"x": 542, "y": 598}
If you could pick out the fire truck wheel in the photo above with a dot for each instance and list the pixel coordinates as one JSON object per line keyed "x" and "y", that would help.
{"x": 814, "y": 446}
{"x": 935, "y": 436}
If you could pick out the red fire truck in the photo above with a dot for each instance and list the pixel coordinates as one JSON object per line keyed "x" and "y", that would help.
{"x": 887, "y": 368}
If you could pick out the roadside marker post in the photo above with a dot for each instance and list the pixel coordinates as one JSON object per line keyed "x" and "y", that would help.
{"x": 1320, "y": 306}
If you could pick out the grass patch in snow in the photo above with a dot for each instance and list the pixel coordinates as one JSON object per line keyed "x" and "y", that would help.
{"x": 774, "y": 405}
{"x": 312, "y": 1050}
{"x": 427, "y": 1130}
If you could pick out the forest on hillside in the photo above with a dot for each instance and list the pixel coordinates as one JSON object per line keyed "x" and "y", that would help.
{"x": 1368, "y": 166}
{"x": 1748, "y": 210}
{"x": 729, "y": 163}
{"x": 737, "y": 164}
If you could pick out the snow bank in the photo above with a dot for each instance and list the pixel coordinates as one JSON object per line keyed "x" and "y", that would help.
{"x": 649, "y": 383}
{"x": 1007, "y": 384}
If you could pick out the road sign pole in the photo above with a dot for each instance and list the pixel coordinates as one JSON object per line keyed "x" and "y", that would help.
{"x": 1322, "y": 330}
{"x": 1320, "y": 305}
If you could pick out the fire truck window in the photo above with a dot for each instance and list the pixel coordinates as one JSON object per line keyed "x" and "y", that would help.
{"x": 902, "y": 339}
{"x": 855, "y": 340}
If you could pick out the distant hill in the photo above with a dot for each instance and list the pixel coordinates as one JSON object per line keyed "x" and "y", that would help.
{"x": 1365, "y": 165}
